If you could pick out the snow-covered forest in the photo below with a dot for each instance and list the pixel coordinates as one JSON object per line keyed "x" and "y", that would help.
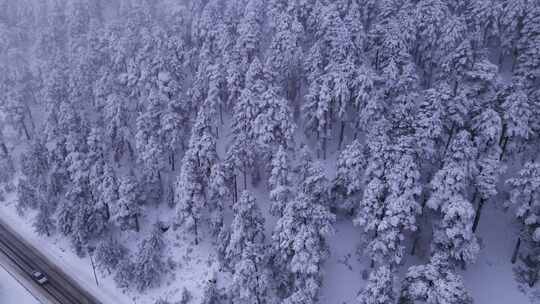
{"x": 255, "y": 126}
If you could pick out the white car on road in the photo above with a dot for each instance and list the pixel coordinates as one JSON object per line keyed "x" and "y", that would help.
{"x": 39, "y": 277}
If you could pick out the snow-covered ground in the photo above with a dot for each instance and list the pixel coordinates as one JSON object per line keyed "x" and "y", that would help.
{"x": 490, "y": 280}
{"x": 11, "y": 292}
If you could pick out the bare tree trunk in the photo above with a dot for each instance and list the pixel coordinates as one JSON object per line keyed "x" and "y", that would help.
{"x": 235, "y": 190}
{"x": 196, "y": 232}
{"x": 221, "y": 114}
{"x": 245, "y": 177}
{"x": 341, "y": 135}
{"x": 477, "y": 215}
{"x": 504, "y": 145}
{"x": 324, "y": 148}
{"x": 417, "y": 233}
{"x": 137, "y": 228}
{"x": 534, "y": 277}
{"x": 26, "y": 131}
{"x": 107, "y": 212}
{"x": 449, "y": 139}
{"x": 516, "y": 251}
{"x": 415, "y": 243}
{"x": 30, "y": 117}
{"x": 257, "y": 279}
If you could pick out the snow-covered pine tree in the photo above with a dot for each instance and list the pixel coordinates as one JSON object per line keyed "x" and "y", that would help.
{"x": 453, "y": 236}
{"x": 429, "y": 16}
{"x": 331, "y": 79}
{"x": 429, "y": 124}
{"x": 149, "y": 143}
{"x": 433, "y": 283}
{"x": 109, "y": 253}
{"x": 96, "y": 156}
{"x": 401, "y": 208}
{"x": 487, "y": 129}
{"x": 35, "y": 163}
{"x": 280, "y": 181}
{"x": 251, "y": 278}
{"x": 247, "y": 228}
{"x": 315, "y": 186}
{"x": 273, "y": 125}
{"x": 43, "y": 222}
{"x": 527, "y": 63}
{"x": 379, "y": 288}
{"x": 125, "y": 274}
{"x": 371, "y": 207}
{"x": 190, "y": 196}
{"x": 219, "y": 195}
{"x": 524, "y": 190}
{"x": 242, "y": 153}
{"x": 108, "y": 188}
{"x": 516, "y": 113}
{"x": 348, "y": 185}
{"x": 486, "y": 180}
{"x": 16, "y": 105}
{"x": 27, "y": 196}
{"x": 128, "y": 211}
{"x": 6, "y": 162}
{"x": 284, "y": 53}
{"x": 149, "y": 266}
{"x": 299, "y": 241}
{"x": 247, "y": 47}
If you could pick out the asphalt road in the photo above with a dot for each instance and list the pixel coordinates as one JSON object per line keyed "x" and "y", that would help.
{"x": 24, "y": 259}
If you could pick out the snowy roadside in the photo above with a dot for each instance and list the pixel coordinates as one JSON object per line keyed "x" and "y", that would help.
{"x": 12, "y": 292}
{"x": 194, "y": 264}
{"x": 58, "y": 252}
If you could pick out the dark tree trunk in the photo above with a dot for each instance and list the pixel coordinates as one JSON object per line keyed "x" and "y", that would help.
{"x": 324, "y": 147}
{"x": 418, "y": 231}
{"x": 504, "y": 145}
{"x": 235, "y": 190}
{"x": 415, "y": 243}
{"x": 534, "y": 277}
{"x": 107, "y": 212}
{"x": 4, "y": 148}
{"x": 26, "y": 133}
{"x": 137, "y": 228}
{"x": 131, "y": 152}
{"x": 516, "y": 251}
{"x": 341, "y": 135}
{"x": 449, "y": 139}
{"x": 220, "y": 114}
{"x": 245, "y": 178}
{"x": 478, "y": 214}
{"x": 173, "y": 160}
{"x": 196, "y": 233}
